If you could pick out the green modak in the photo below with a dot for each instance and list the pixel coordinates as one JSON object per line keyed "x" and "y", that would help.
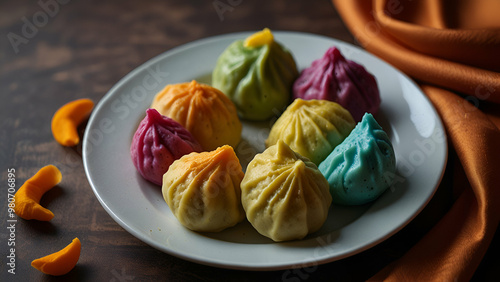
{"x": 257, "y": 74}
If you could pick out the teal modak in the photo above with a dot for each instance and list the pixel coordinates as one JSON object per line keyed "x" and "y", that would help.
{"x": 257, "y": 74}
{"x": 359, "y": 169}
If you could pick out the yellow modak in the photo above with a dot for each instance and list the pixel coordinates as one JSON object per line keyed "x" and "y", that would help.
{"x": 203, "y": 190}
{"x": 312, "y": 128}
{"x": 284, "y": 195}
{"x": 203, "y": 110}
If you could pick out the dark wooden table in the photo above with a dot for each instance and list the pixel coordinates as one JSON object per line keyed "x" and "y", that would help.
{"x": 61, "y": 51}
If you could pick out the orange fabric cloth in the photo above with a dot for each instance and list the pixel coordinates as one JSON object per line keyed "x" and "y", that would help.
{"x": 452, "y": 48}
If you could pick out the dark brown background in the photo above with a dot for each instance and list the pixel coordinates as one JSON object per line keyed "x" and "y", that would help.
{"x": 82, "y": 51}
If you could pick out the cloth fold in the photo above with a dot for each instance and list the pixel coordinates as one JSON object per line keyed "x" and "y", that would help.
{"x": 373, "y": 35}
{"x": 432, "y": 36}
{"x": 454, "y": 58}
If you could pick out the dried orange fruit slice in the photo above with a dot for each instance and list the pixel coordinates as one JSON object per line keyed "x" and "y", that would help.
{"x": 66, "y": 120}
{"x": 29, "y": 195}
{"x": 61, "y": 262}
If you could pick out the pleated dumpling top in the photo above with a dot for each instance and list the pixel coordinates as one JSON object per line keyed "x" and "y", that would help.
{"x": 203, "y": 190}
{"x": 257, "y": 74}
{"x": 203, "y": 110}
{"x": 157, "y": 143}
{"x": 312, "y": 128}
{"x": 336, "y": 79}
{"x": 359, "y": 170}
{"x": 284, "y": 195}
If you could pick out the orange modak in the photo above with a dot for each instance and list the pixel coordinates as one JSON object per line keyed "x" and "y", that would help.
{"x": 203, "y": 190}
{"x": 208, "y": 114}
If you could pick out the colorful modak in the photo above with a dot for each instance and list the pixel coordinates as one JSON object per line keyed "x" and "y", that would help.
{"x": 157, "y": 143}
{"x": 257, "y": 74}
{"x": 203, "y": 190}
{"x": 336, "y": 79}
{"x": 203, "y": 110}
{"x": 358, "y": 169}
{"x": 284, "y": 195}
{"x": 312, "y": 128}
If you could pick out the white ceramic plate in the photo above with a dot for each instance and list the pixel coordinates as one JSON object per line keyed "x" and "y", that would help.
{"x": 410, "y": 120}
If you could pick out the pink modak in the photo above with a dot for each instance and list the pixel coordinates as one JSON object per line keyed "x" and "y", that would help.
{"x": 339, "y": 80}
{"x": 157, "y": 143}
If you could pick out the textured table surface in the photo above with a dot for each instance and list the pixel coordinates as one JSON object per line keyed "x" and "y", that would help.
{"x": 56, "y": 52}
